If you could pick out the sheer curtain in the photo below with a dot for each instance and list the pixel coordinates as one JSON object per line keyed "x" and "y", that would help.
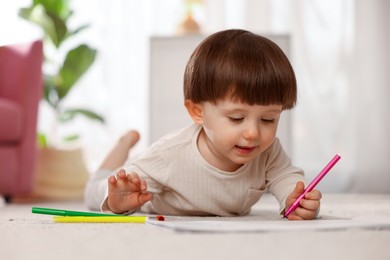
{"x": 370, "y": 92}
{"x": 117, "y": 86}
{"x": 340, "y": 52}
{"x": 341, "y": 57}
{"x": 322, "y": 46}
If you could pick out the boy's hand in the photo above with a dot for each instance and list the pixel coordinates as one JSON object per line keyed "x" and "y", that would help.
{"x": 126, "y": 192}
{"x": 309, "y": 205}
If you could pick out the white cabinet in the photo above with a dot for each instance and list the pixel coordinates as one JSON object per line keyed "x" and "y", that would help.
{"x": 168, "y": 58}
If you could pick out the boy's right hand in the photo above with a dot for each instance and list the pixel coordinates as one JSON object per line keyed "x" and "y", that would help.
{"x": 126, "y": 192}
{"x": 308, "y": 207}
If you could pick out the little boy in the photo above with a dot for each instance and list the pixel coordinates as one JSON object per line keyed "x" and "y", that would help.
{"x": 236, "y": 85}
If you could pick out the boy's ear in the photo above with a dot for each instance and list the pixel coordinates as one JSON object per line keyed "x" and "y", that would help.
{"x": 195, "y": 111}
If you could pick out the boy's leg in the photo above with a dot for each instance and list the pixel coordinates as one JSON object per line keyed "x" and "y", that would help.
{"x": 120, "y": 152}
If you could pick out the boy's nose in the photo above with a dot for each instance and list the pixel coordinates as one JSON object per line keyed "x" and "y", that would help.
{"x": 251, "y": 132}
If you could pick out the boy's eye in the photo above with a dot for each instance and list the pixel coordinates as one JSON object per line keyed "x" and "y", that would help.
{"x": 236, "y": 119}
{"x": 267, "y": 120}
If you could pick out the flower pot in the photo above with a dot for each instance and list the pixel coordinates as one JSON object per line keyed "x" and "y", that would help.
{"x": 60, "y": 174}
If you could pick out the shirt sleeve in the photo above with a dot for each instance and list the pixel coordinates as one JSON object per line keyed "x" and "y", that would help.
{"x": 95, "y": 189}
{"x": 281, "y": 175}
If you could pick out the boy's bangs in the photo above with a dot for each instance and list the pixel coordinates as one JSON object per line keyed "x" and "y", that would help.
{"x": 256, "y": 81}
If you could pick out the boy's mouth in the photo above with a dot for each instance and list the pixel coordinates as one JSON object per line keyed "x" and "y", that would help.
{"x": 245, "y": 149}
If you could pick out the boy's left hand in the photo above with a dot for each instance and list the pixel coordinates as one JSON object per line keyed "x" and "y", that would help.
{"x": 308, "y": 207}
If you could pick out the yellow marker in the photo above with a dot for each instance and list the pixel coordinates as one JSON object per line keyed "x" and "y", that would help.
{"x": 100, "y": 219}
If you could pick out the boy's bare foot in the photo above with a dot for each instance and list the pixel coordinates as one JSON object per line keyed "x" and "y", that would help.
{"x": 120, "y": 152}
{"x": 130, "y": 138}
{"x": 126, "y": 192}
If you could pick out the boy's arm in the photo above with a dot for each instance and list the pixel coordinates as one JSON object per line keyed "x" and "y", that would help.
{"x": 281, "y": 175}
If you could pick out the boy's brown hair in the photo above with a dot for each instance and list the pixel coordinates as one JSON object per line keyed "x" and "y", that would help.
{"x": 240, "y": 65}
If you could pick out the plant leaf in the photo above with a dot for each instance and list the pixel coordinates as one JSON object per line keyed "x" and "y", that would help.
{"x": 79, "y": 29}
{"x": 49, "y": 91}
{"x": 77, "y": 61}
{"x": 54, "y": 26}
{"x": 41, "y": 140}
{"x": 72, "y": 137}
{"x": 60, "y": 28}
{"x": 69, "y": 114}
{"x": 37, "y": 15}
{"x": 59, "y": 8}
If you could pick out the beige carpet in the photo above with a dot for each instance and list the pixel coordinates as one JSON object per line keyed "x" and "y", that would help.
{"x": 24, "y": 235}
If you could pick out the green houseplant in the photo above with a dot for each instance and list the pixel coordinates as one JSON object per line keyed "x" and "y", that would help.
{"x": 60, "y": 74}
{"x": 60, "y": 173}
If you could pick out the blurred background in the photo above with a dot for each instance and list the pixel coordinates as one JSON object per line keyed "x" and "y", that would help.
{"x": 340, "y": 50}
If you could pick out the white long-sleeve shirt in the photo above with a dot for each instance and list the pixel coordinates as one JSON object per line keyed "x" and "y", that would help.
{"x": 184, "y": 183}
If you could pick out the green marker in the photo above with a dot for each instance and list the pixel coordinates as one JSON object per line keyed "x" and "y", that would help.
{"x": 67, "y": 213}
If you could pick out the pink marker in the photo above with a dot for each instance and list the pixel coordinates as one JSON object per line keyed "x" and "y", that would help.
{"x": 314, "y": 183}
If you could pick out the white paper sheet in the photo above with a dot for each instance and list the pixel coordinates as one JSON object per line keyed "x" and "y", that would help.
{"x": 221, "y": 225}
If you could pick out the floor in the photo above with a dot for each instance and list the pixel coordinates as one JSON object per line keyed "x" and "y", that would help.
{"x": 24, "y": 235}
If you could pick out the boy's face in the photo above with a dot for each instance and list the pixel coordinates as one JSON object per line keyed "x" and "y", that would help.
{"x": 235, "y": 133}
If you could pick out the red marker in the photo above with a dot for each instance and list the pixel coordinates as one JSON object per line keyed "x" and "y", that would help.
{"x": 160, "y": 218}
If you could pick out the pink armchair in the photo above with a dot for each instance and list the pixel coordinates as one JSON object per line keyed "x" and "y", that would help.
{"x": 20, "y": 92}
